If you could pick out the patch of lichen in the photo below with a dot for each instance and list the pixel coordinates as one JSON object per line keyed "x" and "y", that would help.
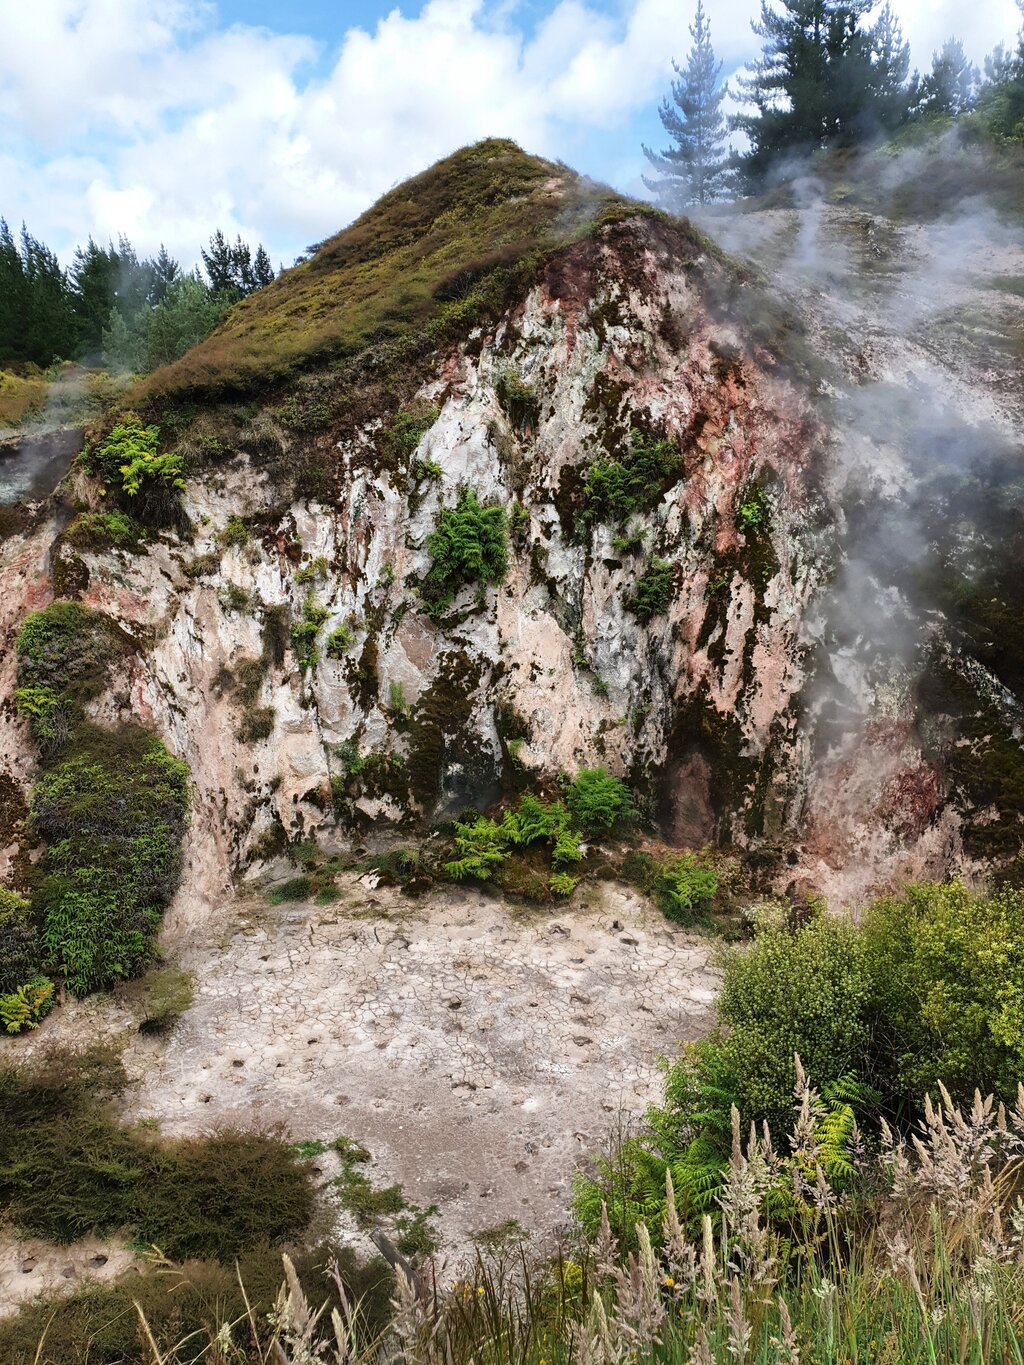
{"x": 483, "y": 215}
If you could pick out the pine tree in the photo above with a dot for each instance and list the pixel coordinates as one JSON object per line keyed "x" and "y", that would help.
{"x": 165, "y": 271}
{"x": 93, "y": 279}
{"x": 13, "y": 298}
{"x": 262, "y": 270}
{"x": 952, "y": 83}
{"x": 695, "y": 168}
{"x": 49, "y": 322}
{"x": 811, "y": 84}
{"x": 1001, "y": 99}
{"x": 219, "y": 263}
{"x": 890, "y": 94}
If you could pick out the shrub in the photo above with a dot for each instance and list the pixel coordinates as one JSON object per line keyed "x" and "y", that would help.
{"x": 481, "y": 849}
{"x": 653, "y": 591}
{"x": 311, "y": 572}
{"x": 686, "y": 886}
{"x": 946, "y": 972}
{"x": 129, "y": 459}
{"x": 304, "y": 634}
{"x": 485, "y": 846}
{"x": 222, "y": 1195}
{"x": 340, "y": 641}
{"x": 67, "y": 650}
{"x": 469, "y": 545}
{"x": 235, "y": 531}
{"x": 802, "y": 990}
{"x": 256, "y": 723}
{"x": 613, "y": 490}
{"x": 752, "y": 511}
{"x": 68, "y": 1169}
{"x": 26, "y": 1005}
{"x": 19, "y": 948}
{"x": 113, "y": 815}
{"x": 167, "y": 994}
{"x": 276, "y": 632}
{"x": 598, "y": 802}
{"x": 410, "y": 425}
{"x": 518, "y": 400}
{"x": 51, "y": 717}
{"x": 99, "y": 1322}
{"x": 563, "y": 883}
{"x": 100, "y": 530}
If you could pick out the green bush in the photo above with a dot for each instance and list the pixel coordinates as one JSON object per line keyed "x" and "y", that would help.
{"x": 340, "y": 641}
{"x": 802, "y": 990}
{"x": 686, "y": 886}
{"x": 51, "y": 716}
{"x": 66, "y": 649}
{"x": 484, "y": 846}
{"x": 653, "y": 591}
{"x": 304, "y": 634}
{"x": 129, "y": 459}
{"x": 256, "y": 723}
{"x": 26, "y": 1005}
{"x": 100, "y": 530}
{"x": 113, "y": 816}
{"x": 598, "y": 802}
{"x": 19, "y": 948}
{"x": 518, "y": 401}
{"x": 410, "y": 425}
{"x": 613, "y": 490}
{"x": 481, "y": 848}
{"x": 166, "y": 996}
{"x": 99, "y": 1323}
{"x": 469, "y": 545}
{"x": 235, "y": 531}
{"x": 946, "y": 972}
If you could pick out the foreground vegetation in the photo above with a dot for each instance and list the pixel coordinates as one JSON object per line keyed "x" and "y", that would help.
{"x": 915, "y": 1255}
{"x": 872, "y": 1215}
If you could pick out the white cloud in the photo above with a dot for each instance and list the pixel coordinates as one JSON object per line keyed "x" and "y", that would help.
{"x": 142, "y": 116}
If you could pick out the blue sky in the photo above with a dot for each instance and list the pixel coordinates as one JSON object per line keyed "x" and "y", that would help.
{"x": 167, "y": 118}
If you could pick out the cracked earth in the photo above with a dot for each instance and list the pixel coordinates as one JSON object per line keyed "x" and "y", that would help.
{"x": 481, "y": 1052}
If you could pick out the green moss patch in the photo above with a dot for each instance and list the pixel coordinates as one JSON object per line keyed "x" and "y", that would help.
{"x": 113, "y": 814}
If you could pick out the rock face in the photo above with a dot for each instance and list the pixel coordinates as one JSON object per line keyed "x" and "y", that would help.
{"x": 633, "y": 332}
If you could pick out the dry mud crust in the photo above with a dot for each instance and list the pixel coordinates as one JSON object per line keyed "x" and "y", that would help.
{"x": 478, "y": 1050}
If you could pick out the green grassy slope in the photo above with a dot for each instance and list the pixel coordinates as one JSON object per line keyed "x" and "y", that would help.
{"x": 437, "y": 253}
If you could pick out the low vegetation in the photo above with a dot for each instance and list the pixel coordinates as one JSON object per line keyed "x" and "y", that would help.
{"x": 111, "y": 807}
{"x": 441, "y": 252}
{"x": 68, "y": 1169}
{"x": 883, "y": 1011}
{"x": 653, "y": 591}
{"x": 469, "y": 547}
{"x": 595, "y": 804}
{"x": 113, "y": 815}
{"x": 130, "y": 464}
{"x": 616, "y": 489}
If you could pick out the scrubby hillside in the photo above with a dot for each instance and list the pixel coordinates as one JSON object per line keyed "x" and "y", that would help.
{"x": 511, "y": 477}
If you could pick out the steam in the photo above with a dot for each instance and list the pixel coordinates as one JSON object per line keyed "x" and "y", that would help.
{"x": 923, "y": 323}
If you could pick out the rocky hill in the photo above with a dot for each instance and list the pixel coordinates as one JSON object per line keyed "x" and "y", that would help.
{"x": 514, "y": 476}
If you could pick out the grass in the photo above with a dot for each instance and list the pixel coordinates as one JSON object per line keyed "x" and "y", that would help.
{"x": 433, "y": 255}
{"x": 68, "y": 1169}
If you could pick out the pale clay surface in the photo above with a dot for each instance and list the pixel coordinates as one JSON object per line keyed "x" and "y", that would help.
{"x": 480, "y": 1051}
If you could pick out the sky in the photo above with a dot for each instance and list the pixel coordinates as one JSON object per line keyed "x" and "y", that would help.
{"x": 164, "y": 119}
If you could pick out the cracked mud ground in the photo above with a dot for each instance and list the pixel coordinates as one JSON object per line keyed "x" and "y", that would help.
{"x": 480, "y": 1051}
